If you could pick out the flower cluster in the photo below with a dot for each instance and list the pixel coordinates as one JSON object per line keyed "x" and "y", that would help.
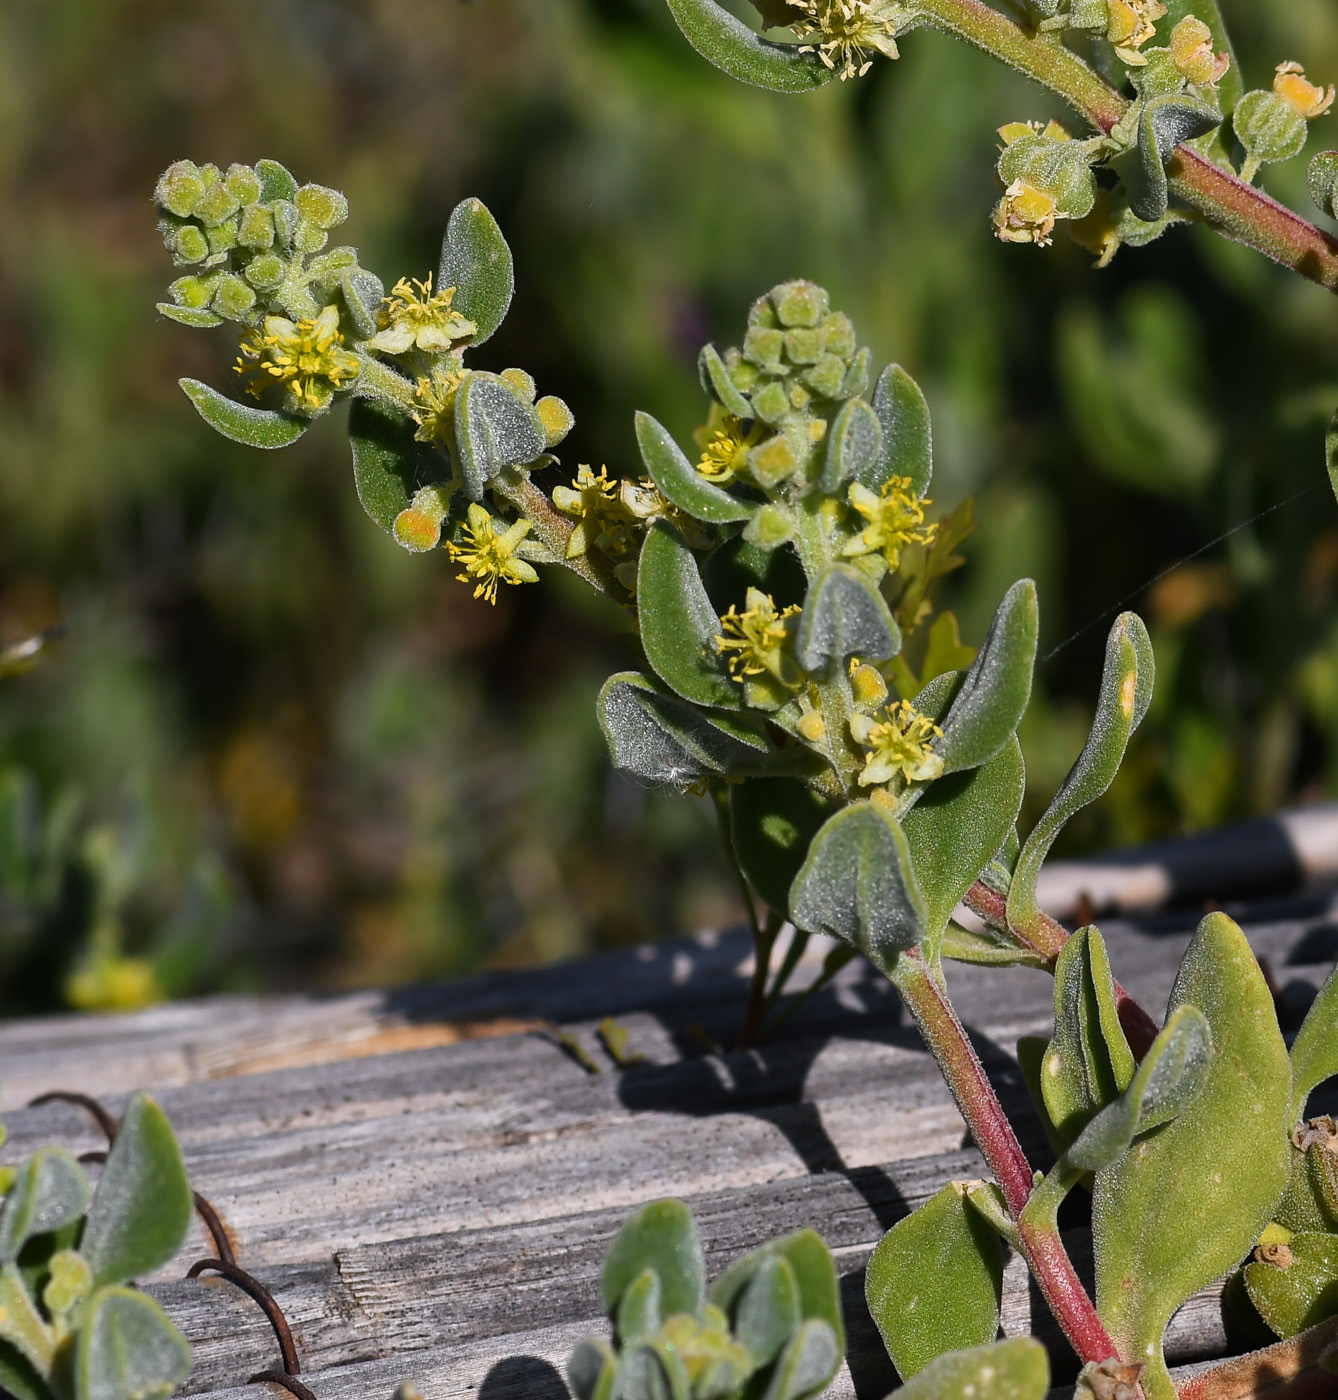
{"x": 304, "y": 357}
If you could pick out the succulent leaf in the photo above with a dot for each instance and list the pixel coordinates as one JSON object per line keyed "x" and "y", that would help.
{"x": 239, "y": 422}
{"x": 772, "y": 824}
{"x": 907, "y": 437}
{"x": 661, "y": 1237}
{"x": 389, "y": 465}
{"x": 128, "y": 1349}
{"x": 495, "y": 427}
{"x": 1018, "y": 1369}
{"x": 734, "y": 48}
{"x": 855, "y": 449}
{"x": 844, "y": 615}
{"x": 476, "y": 261}
{"x": 50, "y": 1191}
{"x": 1297, "y": 1288}
{"x": 680, "y": 482}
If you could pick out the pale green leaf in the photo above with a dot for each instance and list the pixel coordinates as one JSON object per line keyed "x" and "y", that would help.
{"x": 253, "y": 427}
{"x": 476, "y": 261}
{"x": 128, "y": 1349}
{"x": 50, "y": 1191}
{"x": 389, "y": 466}
{"x": 733, "y": 47}
{"x": 661, "y": 1236}
{"x": 1017, "y": 1369}
{"x": 680, "y": 482}
{"x": 844, "y": 615}
{"x": 907, "y": 437}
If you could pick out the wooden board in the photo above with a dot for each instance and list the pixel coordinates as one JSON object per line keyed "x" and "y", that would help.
{"x": 427, "y": 1180}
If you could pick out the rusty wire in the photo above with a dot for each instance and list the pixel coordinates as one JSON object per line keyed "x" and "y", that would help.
{"x": 101, "y": 1116}
{"x": 256, "y": 1290}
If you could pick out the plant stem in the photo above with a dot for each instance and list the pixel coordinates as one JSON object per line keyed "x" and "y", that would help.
{"x": 1231, "y": 206}
{"x": 1046, "y": 941}
{"x": 763, "y": 940}
{"x": 926, "y": 999}
{"x": 553, "y": 529}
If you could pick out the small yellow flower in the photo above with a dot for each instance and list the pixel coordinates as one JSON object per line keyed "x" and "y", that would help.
{"x": 490, "y": 557}
{"x": 896, "y": 518}
{"x": 1302, "y": 96}
{"x": 594, "y": 501}
{"x": 414, "y": 317}
{"x": 1191, "y": 47}
{"x": 847, "y": 32}
{"x": 304, "y": 356}
{"x": 1130, "y": 24}
{"x": 901, "y": 744}
{"x": 758, "y": 639}
{"x": 434, "y": 405}
{"x": 726, "y": 453}
{"x": 1025, "y": 215}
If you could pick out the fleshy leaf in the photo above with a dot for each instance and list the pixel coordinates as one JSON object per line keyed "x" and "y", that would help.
{"x": 50, "y": 1191}
{"x": 1164, "y": 123}
{"x": 1017, "y": 1369}
{"x": 1126, "y": 692}
{"x": 679, "y": 481}
{"x": 855, "y": 449}
{"x": 768, "y": 1310}
{"x": 476, "y": 261}
{"x": 956, "y": 827}
{"x": 494, "y": 428}
{"x": 678, "y": 624}
{"x": 935, "y": 1281}
{"x": 661, "y": 1236}
{"x": 716, "y": 382}
{"x": 253, "y": 427}
{"x": 389, "y": 466}
{"x": 844, "y": 615}
{"x": 815, "y": 1273}
{"x": 653, "y": 734}
{"x": 592, "y": 1371}
{"x": 1300, "y": 1292}
{"x": 1203, "y": 1187}
{"x": 807, "y": 1364}
{"x": 143, "y": 1201}
{"x": 197, "y": 317}
{"x": 638, "y": 1313}
{"x": 128, "y": 1349}
{"x": 907, "y": 438}
{"x": 993, "y": 695}
{"x": 275, "y": 181}
{"x": 21, "y": 1325}
{"x": 733, "y": 47}
{"x": 857, "y": 885}
{"x": 1315, "y": 1049}
{"x": 772, "y": 823}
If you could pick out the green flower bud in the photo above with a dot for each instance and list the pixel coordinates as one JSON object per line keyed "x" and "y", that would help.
{"x": 309, "y": 237}
{"x": 180, "y": 189}
{"x": 840, "y": 335}
{"x": 827, "y": 376}
{"x": 557, "y": 418}
{"x": 764, "y": 346}
{"x": 799, "y": 303}
{"x": 222, "y": 237}
{"x": 233, "y": 298}
{"x": 1322, "y": 178}
{"x": 285, "y": 221}
{"x": 256, "y": 229}
{"x": 242, "y": 183}
{"x": 217, "y": 204}
{"x": 193, "y": 292}
{"x": 1269, "y": 127}
{"x": 519, "y": 379}
{"x": 190, "y": 245}
{"x": 265, "y": 271}
{"x": 772, "y": 403}
{"x": 326, "y": 208}
{"x": 804, "y": 345}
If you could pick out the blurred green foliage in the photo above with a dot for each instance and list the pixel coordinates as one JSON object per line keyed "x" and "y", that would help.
{"x": 300, "y": 756}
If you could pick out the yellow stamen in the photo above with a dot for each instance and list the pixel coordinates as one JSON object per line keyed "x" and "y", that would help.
{"x": 848, "y": 32}
{"x": 896, "y": 518}
{"x": 304, "y": 356}
{"x": 757, "y": 639}
{"x": 490, "y": 557}
{"x": 1304, "y": 97}
{"x": 899, "y": 745}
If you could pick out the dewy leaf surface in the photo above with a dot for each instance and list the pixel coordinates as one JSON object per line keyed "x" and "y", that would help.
{"x": 252, "y": 427}
{"x": 50, "y": 1190}
{"x": 935, "y": 1281}
{"x": 733, "y": 47}
{"x": 679, "y": 481}
{"x": 128, "y": 1349}
{"x": 814, "y": 1271}
{"x": 494, "y": 428}
{"x": 1017, "y": 1369}
{"x": 476, "y": 261}
{"x": 1187, "y": 1203}
{"x": 1305, "y": 1292}
{"x": 855, "y": 449}
{"x": 907, "y": 439}
{"x": 143, "y": 1202}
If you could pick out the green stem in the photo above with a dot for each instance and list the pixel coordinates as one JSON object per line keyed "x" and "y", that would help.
{"x": 553, "y": 529}
{"x": 764, "y": 941}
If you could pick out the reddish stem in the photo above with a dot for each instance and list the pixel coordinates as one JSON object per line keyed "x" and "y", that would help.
{"x": 1046, "y": 941}
{"x": 1051, "y": 1267}
{"x": 1289, "y": 1368}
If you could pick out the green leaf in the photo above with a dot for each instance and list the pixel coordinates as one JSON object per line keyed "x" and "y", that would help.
{"x": 1300, "y": 1294}
{"x": 1088, "y": 1063}
{"x": 772, "y": 823}
{"x": 678, "y": 624}
{"x": 50, "y": 1191}
{"x": 388, "y": 465}
{"x": 1331, "y": 453}
{"x": 1163, "y": 124}
{"x": 857, "y": 885}
{"x": 275, "y": 181}
{"x": 680, "y": 482}
{"x": 363, "y": 294}
{"x": 253, "y": 427}
{"x": 814, "y": 1272}
{"x": 1322, "y": 181}
{"x": 1017, "y": 1369}
{"x": 807, "y": 1365}
{"x": 1310, "y": 1202}
{"x": 655, "y": 735}
{"x": 984, "y": 949}
{"x": 1030, "y": 1058}
{"x": 1203, "y": 1187}
{"x": 768, "y": 1310}
{"x": 733, "y": 47}
{"x": 128, "y": 1349}
{"x": 654, "y": 1371}
{"x": 1126, "y": 692}
{"x": 19, "y": 1377}
{"x": 661, "y": 1236}
{"x": 992, "y": 697}
{"x": 476, "y": 261}
{"x": 715, "y": 381}
{"x": 592, "y": 1371}
{"x": 844, "y": 615}
{"x": 907, "y": 439}
{"x": 1315, "y": 1050}
{"x": 955, "y": 829}
{"x": 1229, "y": 85}
{"x": 143, "y": 1201}
{"x": 935, "y": 1281}
{"x": 494, "y": 428}
{"x": 197, "y": 317}
{"x": 1167, "y": 1081}
{"x": 21, "y": 1324}
{"x": 854, "y": 447}
{"x": 638, "y": 1312}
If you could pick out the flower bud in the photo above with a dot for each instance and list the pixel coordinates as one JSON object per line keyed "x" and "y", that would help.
{"x": 557, "y": 418}
{"x": 1046, "y": 177}
{"x": 256, "y": 227}
{"x": 180, "y": 189}
{"x": 190, "y": 245}
{"x": 324, "y": 207}
{"x": 520, "y": 379}
{"x": 216, "y": 204}
{"x": 242, "y": 183}
{"x": 192, "y": 292}
{"x": 233, "y": 298}
{"x": 265, "y": 271}
{"x": 1191, "y": 46}
{"x": 1130, "y": 24}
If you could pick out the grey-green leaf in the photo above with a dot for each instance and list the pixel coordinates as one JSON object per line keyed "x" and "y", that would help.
{"x": 807, "y": 1364}
{"x": 50, "y": 1190}
{"x": 715, "y": 381}
{"x": 772, "y": 823}
{"x": 592, "y": 1370}
{"x": 661, "y": 1236}
{"x": 389, "y": 466}
{"x": 143, "y": 1202}
{"x": 1301, "y": 1294}
{"x": 935, "y": 1281}
{"x": 1017, "y": 1369}
{"x": 844, "y": 615}
{"x": 768, "y": 1311}
{"x": 1164, "y": 123}
{"x": 857, "y": 885}
{"x": 275, "y": 181}
{"x": 638, "y": 1314}
{"x": 814, "y": 1271}
{"x": 854, "y": 447}
{"x": 253, "y": 427}
{"x": 733, "y": 47}
{"x": 679, "y": 481}
{"x": 907, "y": 438}
{"x": 1315, "y": 1050}
{"x": 476, "y": 261}
{"x": 678, "y": 624}
{"x": 993, "y": 695}
{"x": 197, "y": 317}
{"x": 494, "y": 428}
{"x": 128, "y": 1349}
{"x": 1126, "y": 692}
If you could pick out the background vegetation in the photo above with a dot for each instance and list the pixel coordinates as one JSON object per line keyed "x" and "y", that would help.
{"x": 273, "y": 750}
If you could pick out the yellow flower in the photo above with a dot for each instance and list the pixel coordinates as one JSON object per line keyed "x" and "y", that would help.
{"x": 848, "y": 32}
{"x": 1130, "y": 24}
{"x": 413, "y": 317}
{"x": 1191, "y": 47}
{"x": 758, "y": 639}
{"x": 1025, "y": 215}
{"x": 304, "y": 356}
{"x": 727, "y": 451}
{"x": 901, "y": 744}
{"x": 434, "y": 405}
{"x": 490, "y": 557}
{"x": 896, "y": 519}
{"x": 1302, "y": 96}
{"x": 595, "y": 503}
